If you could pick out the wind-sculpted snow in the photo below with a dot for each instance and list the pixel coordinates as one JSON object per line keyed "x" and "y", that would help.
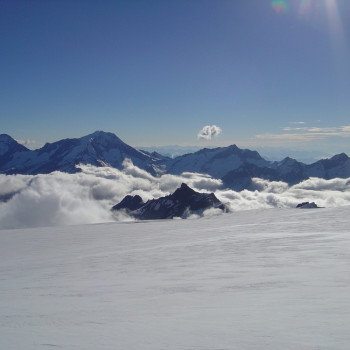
{"x": 262, "y": 279}
{"x": 86, "y": 197}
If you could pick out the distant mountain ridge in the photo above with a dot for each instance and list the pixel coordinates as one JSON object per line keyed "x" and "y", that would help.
{"x": 215, "y": 161}
{"x": 99, "y": 149}
{"x": 236, "y": 167}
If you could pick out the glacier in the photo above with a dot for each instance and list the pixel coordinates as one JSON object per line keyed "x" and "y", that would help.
{"x": 268, "y": 278}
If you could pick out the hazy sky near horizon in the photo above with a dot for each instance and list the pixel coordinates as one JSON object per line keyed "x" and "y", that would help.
{"x": 156, "y": 72}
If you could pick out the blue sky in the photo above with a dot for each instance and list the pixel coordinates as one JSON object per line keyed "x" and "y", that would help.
{"x": 267, "y": 73}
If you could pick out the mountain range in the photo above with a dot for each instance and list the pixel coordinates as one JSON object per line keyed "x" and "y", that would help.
{"x": 99, "y": 149}
{"x": 236, "y": 167}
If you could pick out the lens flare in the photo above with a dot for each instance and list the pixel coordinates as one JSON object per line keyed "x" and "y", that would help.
{"x": 319, "y": 14}
{"x": 337, "y": 36}
{"x": 304, "y": 7}
{"x": 334, "y": 20}
{"x": 280, "y": 7}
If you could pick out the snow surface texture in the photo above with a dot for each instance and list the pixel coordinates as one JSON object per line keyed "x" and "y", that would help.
{"x": 62, "y": 199}
{"x": 262, "y": 279}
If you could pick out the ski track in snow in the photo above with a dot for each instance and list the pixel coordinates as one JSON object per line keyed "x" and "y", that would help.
{"x": 260, "y": 279}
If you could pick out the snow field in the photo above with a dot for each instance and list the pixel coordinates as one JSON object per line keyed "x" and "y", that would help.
{"x": 259, "y": 279}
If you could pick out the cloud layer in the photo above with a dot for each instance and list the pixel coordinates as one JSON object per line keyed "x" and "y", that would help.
{"x": 86, "y": 197}
{"x": 306, "y": 134}
{"x": 31, "y": 144}
{"x": 209, "y": 131}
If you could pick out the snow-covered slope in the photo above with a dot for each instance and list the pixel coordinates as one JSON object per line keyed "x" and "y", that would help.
{"x": 269, "y": 279}
{"x": 337, "y": 166}
{"x": 8, "y": 147}
{"x": 99, "y": 148}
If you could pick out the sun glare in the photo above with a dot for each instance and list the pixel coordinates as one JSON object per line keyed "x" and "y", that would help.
{"x": 324, "y": 15}
{"x": 304, "y": 7}
{"x": 335, "y": 25}
{"x": 279, "y": 6}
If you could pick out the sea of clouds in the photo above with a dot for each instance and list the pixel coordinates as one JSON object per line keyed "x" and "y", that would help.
{"x": 87, "y": 197}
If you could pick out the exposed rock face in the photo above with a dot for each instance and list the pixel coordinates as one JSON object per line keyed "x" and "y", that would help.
{"x": 183, "y": 202}
{"x": 130, "y": 203}
{"x": 307, "y": 205}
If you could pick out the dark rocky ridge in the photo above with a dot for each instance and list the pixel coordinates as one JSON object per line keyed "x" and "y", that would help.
{"x": 307, "y": 205}
{"x": 182, "y": 203}
{"x": 129, "y": 203}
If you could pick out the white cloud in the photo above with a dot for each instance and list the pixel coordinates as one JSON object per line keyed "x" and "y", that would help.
{"x": 32, "y": 144}
{"x": 209, "y": 131}
{"x": 304, "y": 137}
{"x": 86, "y": 197}
{"x": 326, "y": 193}
{"x": 306, "y": 134}
{"x": 12, "y": 184}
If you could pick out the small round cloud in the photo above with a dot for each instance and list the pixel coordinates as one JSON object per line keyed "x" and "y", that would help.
{"x": 209, "y": 131}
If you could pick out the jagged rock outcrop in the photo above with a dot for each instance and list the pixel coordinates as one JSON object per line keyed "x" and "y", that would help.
{"x": 182, "y": 203}
{"x": 307, "y": 205}
{"x": 129, "y": 203}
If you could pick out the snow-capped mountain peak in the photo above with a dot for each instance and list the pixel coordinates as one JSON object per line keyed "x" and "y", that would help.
{"x": 8, "y": 148}
{"x": 99, "y": 148}
{"x": 102, "y": 138}
{"x": 10, "y": 145}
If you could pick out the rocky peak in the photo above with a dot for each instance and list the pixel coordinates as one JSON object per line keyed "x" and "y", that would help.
{"x": 129, "y": 203}
{"x": 183, "y": 192}
{"x": 342, "y": 157}
{"x": 307, "y": 205}
{"x": 181, "y": 203}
